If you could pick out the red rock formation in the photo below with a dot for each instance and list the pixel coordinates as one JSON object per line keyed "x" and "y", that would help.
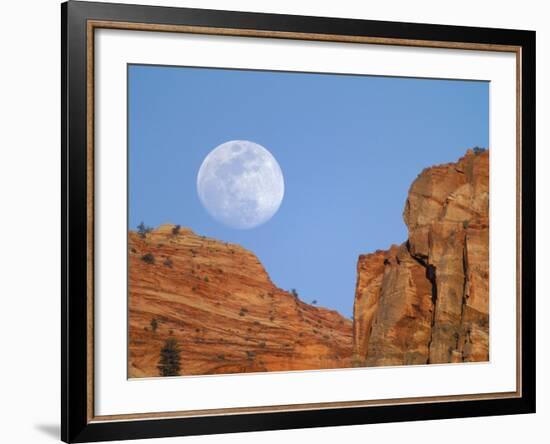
{"x": 218, "y": 302}
{"x": 427, "y": 301}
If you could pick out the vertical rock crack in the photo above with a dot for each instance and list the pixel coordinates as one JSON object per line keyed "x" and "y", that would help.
{"x": 431, "y": 275}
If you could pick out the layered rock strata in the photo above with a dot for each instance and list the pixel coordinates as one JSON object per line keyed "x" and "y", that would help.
{"x": 218, "y": 302}
{"x": 427, "y": 300}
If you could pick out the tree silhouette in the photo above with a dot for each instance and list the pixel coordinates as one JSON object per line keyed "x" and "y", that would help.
{"x": 169, "y": 362}
{"x": 143, "y": 230}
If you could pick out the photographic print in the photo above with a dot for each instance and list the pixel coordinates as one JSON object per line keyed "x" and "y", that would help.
{"x": 283, "y": 221}
{"x": 323, "y": 208}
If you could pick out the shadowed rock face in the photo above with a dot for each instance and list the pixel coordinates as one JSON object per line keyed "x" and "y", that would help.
{"x": 427, "y": 301}
{"x": 218, "y": 302}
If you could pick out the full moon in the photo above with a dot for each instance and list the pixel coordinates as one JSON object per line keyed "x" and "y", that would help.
{"x": 240, "y": 184}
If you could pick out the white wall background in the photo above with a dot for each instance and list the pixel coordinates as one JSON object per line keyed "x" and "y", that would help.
{"x": 30, "y": 209}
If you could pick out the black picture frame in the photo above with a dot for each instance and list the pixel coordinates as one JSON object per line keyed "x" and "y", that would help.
{"x": 76, "y": 424}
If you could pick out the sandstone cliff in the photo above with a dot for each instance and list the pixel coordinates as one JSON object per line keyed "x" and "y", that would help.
{"x": 427, "y": 300}
{"x": 218, "y": 302}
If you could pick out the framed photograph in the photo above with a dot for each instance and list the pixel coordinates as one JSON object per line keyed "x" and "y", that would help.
{"x": 275, "y": 221}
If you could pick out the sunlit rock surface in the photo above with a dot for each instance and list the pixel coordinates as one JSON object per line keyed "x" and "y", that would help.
{"x": 427, "y": 301}
{"x": 219, "y": 303}
{"x": 424, "y": 301}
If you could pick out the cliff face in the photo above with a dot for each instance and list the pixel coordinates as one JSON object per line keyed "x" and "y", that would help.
{"x": 218, "y": 302}
{"x": 427, "y": 301}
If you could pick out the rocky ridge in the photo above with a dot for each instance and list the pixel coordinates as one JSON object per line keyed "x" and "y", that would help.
{"x": 427, "y": 300}
{"x": 218, "y": 302}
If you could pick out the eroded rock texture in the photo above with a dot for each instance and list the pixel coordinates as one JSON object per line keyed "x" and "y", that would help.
{"x": 218, "y": 302}
{"x": 427, "y": 301}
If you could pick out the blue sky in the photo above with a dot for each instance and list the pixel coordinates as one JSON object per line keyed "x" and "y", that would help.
{"x": 349, "y": 148}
